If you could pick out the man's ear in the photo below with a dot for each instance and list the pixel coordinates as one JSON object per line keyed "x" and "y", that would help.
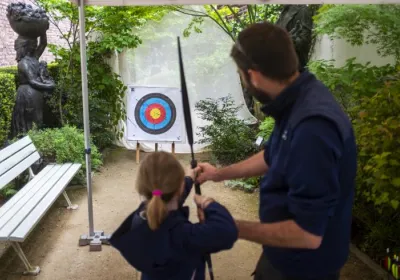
{"x": 255, "y": 77}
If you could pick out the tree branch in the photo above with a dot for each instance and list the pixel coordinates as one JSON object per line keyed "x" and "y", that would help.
{"x": 236, "y": 16}
{"x": 201, "y": 14}
{"x": 251, "y": 15}
{"x": 225, "y": 27}
{"x": 190, "y": 12}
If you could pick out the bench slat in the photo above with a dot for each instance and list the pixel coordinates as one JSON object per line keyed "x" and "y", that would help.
{"x": 18, "y": 169}
{"x": 17, "y": 204}
{"x": 20, "y": 216}
{"x": 34, "y": 217}
{"x": 16, "y": 158}
{"x": 15, "y": 147}
{"x": 19, "y": 199}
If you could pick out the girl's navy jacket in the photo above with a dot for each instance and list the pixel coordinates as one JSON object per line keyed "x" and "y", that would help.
{"x": 177, "y": 250}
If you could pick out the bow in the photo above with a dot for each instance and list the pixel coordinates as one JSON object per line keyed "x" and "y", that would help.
{"x": 189, "y": 131}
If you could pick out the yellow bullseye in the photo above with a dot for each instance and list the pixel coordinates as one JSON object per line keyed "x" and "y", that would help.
{"x": 155, "y": 113}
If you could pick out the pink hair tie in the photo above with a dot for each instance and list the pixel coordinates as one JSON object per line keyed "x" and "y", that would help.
{"x": 157, "y": 193}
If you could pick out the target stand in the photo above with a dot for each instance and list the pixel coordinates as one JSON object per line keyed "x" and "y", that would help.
{"x": 154, "y": 115}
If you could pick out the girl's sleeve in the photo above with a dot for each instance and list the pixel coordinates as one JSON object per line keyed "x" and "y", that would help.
{"x": 187, "y": 189}
{"x": 217, "y": 233}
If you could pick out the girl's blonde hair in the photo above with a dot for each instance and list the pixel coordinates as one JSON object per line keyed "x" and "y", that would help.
{"x": 159, "y": 171}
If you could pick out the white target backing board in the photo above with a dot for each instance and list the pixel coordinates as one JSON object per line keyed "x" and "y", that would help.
{"x": 155, "y": 114}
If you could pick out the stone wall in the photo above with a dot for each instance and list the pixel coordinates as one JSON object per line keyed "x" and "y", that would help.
{"x": 7, "y": 36}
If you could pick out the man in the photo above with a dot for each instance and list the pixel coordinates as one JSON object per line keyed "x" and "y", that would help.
{"x": 309, "y": 163}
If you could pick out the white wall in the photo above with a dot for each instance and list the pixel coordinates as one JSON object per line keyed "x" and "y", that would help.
{"x": 340, "y": 51}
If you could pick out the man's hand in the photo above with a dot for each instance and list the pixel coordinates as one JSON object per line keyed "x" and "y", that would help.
{"x": 207, "y": 172}
{"x": 251, "y": 167}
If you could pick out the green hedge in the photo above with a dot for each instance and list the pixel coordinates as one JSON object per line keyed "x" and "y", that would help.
{"x": 66, "y": 144}
{"x": 7, "y": 100}
{"x": 8, "y": 87}
{"x": 13, "y": 70}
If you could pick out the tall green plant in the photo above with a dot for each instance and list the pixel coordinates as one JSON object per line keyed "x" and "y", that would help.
{"x": 378, "y": 137}
{"x": 228, "y": 138}
{"x": 108, "y": 30}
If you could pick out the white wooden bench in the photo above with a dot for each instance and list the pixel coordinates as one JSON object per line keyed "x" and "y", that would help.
{"x": 20, "y": 214}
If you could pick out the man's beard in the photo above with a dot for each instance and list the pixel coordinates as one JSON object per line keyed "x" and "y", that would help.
{"x": 259, "y": 95}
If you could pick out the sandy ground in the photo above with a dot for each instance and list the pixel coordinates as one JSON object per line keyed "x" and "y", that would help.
{"x": 53, "y": 245}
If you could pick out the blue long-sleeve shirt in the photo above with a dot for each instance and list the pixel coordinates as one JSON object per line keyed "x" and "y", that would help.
{"x": 177, "y": 249}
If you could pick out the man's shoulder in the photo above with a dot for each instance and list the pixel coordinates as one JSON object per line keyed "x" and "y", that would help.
{"x": 318, "y": 129}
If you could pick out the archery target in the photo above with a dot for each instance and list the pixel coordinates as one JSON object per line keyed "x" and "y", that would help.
{"x": 155, "y": 114}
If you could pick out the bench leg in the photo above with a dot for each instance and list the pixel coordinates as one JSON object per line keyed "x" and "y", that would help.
{"x": 70, "y": 205}
{"x": 30, "y": 270}
{"x": 31, "y": 174}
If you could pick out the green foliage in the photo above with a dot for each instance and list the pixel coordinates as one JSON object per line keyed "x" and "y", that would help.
{"x": 248, "y": 185}
{"x": 62, "y": 145}
{"x": 230, "y": 139}
{"x": 352, "y": 81}
{"x": 360, "y": 24}
{"x": 266, "y": 127}
{"x": 108, "y": 30}
{"x": 378, "y": 137}
{"x": 7, "y": 101}
{"x": 8, "y": 191}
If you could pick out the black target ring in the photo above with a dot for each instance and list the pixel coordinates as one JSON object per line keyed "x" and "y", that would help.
{"x": 155, "y": 113}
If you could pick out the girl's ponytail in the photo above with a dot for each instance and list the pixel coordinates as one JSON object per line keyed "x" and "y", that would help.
{"x": 156, "y": 210}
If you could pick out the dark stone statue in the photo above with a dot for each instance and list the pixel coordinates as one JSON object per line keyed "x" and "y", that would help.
{"x": 34, "y": 79}
{"x": 297, "y": 20}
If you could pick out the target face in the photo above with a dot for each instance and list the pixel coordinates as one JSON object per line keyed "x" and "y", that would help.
{"x": 155, "y": 113}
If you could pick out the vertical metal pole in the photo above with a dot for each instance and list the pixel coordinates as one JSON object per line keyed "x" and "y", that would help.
{"x": 85, "y": 103}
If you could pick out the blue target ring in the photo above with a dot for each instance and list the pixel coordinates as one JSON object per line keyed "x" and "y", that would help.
{"x": 155, "y": 113}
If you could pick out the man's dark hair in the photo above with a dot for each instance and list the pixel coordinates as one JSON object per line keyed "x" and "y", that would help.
{"x": 267, "y": 48}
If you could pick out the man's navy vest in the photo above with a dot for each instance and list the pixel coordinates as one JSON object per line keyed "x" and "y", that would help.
{"x": 307, "y": 98}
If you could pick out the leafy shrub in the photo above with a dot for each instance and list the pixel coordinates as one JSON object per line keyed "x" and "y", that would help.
{"x": 229, "y": 139}
{"x": 378, "y": 137}
{"x": 106, "y": 94}
{"x": 377, "y": 128}
{"x": 265, "y": 128}
{"x": 243, "y": 185}
{"x": 7, "y": 192}
{"x": 7, "y": 101}
{"x": 351, "y": 82}
{"x": 62, "y": 145}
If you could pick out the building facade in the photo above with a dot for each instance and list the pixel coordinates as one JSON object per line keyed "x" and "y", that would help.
{"x": 7, "y": 36}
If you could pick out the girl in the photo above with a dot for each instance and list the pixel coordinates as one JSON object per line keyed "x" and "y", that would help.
{"x": 157, "y": 238}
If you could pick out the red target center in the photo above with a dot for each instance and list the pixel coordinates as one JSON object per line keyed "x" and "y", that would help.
{"x": 155, "y": 113}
